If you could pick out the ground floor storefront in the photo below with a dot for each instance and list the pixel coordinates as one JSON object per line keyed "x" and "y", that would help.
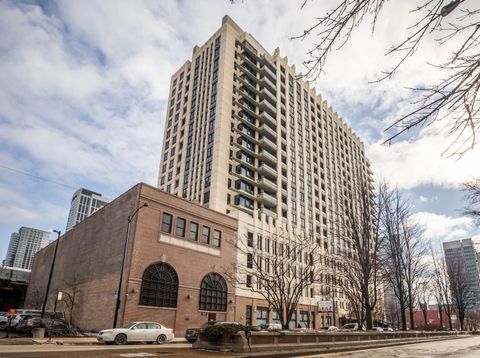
{"x": 254, "y": 311}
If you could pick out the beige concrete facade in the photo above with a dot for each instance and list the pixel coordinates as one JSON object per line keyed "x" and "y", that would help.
{"x": 89, "y": 259}
{"x": 246, "y": 136}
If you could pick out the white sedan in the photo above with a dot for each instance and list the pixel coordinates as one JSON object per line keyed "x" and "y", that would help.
{"x": 149, "y": 332}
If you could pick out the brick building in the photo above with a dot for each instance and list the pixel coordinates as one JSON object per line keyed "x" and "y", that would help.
{"x": 176, "y": 258}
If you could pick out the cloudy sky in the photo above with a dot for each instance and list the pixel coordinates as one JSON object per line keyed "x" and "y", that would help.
{"x": 83, "y": 88}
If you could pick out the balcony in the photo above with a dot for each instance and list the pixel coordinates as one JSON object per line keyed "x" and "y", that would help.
{"x": 266, "y": 118}
{"x": 267, "y": 157}
{"x": 266, "y": 105}
{"x": 268, "y": 212}
{"x": 266, "y": 170}
{"x": 268, "y": 83}
{"x": 267, "y": 71}
{"x": 247, "y": 82}
{"x": 268, "y": 145}
{"x": 266, "y": 130}
{"x": 267, "y": 184}
{"x": 267, "y": 199}
{"x": 265, "y": 93}
{"x": 245, "y": 106}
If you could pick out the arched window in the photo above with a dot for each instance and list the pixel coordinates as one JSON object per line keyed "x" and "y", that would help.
{"x": 213, "y": 293}
{"x": 159, "y": 286}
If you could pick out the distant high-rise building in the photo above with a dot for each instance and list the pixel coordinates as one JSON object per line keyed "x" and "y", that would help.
{"x": 84, "y": 203}
{"x": 463, "y": 253}
{"x": 247, "y": 136}
{"x": 24, "y": 245}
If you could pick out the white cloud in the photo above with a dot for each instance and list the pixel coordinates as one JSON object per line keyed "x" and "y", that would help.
{"x": 440, "y": 228}
{"x": 411, "y": 163}
{"x": 423, "y": 199}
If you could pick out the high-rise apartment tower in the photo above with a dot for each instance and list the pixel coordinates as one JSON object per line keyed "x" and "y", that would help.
{"x": 461, "y": 258}
{"x": 246, "y": 136}
{"x": 24, "y": 245}
{"x": 84, "y": 203}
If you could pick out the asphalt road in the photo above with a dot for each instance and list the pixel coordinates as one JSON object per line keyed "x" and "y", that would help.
{"x": 462, "y": 347}
{"x": 452, "y": 348}
{"x": 89, "y": 351}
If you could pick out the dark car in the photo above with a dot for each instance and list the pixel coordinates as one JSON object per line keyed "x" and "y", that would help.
{"x": 25, "y": 324}
{"x": 191, "y": 335}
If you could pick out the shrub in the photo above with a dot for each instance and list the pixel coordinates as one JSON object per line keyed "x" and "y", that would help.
{"x": 216, "y": 332}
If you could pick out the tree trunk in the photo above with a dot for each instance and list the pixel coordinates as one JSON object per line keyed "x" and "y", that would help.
{"x": 403, "y": 316}
{"x": 441, "y": 318}
{"x": 412, "y": 322}
{"x": 368, "y": 314}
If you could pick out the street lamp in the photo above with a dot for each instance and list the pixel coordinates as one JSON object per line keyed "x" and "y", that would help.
{"x": 129, "y": 220}
{"x": 51, "y": 271}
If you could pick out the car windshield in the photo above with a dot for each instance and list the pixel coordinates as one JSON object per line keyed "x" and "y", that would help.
{"x": 129, "y": 325}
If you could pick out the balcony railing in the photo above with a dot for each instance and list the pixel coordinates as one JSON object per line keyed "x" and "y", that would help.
{"x": 267, "y": 199}
{"x": 266, "y": 184}
{"x": 266, "y": 170}
{"x": 268, "y": 145}
{"x": 266, "y": 105}
{"x": 266, "y": 130}
{"x": 266, "y": 118}
{"x": 267, "y": 157}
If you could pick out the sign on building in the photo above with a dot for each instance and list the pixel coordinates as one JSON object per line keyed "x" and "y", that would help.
{"x": 325, "y": 306}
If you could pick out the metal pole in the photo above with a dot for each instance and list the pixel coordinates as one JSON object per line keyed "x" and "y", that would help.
{"x": 118, "y": 300}
{"x": 51, "y": 272}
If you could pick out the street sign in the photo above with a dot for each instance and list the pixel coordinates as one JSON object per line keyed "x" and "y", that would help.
{"x": 325, "y": 306}
{"x": 59, "y": 297}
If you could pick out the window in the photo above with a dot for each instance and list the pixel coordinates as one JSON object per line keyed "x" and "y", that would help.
{"x": 249, "y": 260}
{"x": 217, "y": 238}
{"x": 250, "y": 239}
{"x": 262, "y": 315}
{"x": 167, "y": 223}
{"x": 205, "y": 235}
{"x": 249, "y": 281}
{"x": 180, "y": 228}
{"x": 159, "y": 286}
{"x": 193, "y": 234}
{"x": 213, "y": 293}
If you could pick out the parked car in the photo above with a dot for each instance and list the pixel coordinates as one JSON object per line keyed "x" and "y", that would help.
{"x": 378, "y": 329}
{"x": 270, "y": 327}
{"x": 332, "y": 329}
{"x": 351, "y": 327}
{"x": 191, "y": 334}
{"x": 150, "y": 332}
{"x": 3, "y": 320}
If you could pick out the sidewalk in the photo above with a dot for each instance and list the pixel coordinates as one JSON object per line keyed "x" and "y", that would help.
{"x": 62, "y": 341}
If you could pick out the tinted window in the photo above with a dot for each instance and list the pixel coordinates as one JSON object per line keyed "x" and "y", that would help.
{"x": 180, "y": 229}
{"x": 167, "y": 223}
{"x": 193, "y": 234}
{"x": 205, "y": 235}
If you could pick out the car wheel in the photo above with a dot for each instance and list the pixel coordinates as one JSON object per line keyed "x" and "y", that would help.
{"x": 191, "y": 340}
{"x": 120, "y": 339}
{"x": 161, "y": 339}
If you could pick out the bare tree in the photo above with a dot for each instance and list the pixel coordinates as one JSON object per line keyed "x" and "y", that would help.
{"x": 462, "y": 295}
{"x": 442, "y": 288}
{"x": 358, "y": 268}
{"x": 424, "y": 294}
{"x": 70, "y": 296}
{"x": 403, "y": 253}
{"x": 471, "y": 191}
{"x": 391, "y": 248}
{"x": 279, "y": 268}
{"x": 454, "y": 98}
